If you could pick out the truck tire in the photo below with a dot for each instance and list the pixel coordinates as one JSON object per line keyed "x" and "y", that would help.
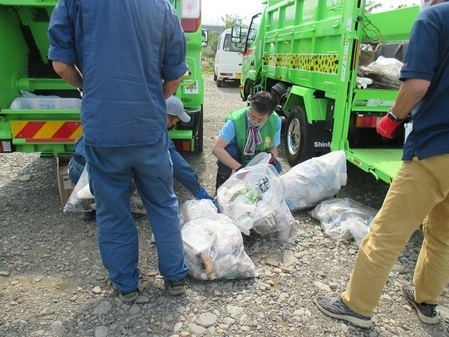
{"x": 215, "y": 77}
{"x": 247, "y": 89}
{"x": 278, "y": 92}
{"x": 219, "y": 83}
{"x": 298, "y": 140}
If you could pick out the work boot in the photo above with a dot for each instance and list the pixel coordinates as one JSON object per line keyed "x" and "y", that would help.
{"x": 222, "y": 176}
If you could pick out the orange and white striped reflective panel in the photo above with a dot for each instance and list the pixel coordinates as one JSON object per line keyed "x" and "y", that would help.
{"x": 47, "y": 131}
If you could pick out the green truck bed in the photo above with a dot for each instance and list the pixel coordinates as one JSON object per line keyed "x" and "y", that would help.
{"x": 382, "y": 163}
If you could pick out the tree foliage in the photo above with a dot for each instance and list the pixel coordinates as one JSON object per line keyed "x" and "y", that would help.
{"x": 230, "y": 19}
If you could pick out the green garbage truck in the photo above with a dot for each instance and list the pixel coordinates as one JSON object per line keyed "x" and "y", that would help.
{"x": 39, "y": 112}
{"x": 333, "y": 70}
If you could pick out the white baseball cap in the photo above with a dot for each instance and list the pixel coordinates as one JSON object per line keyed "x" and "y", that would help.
{"x": 176, "y": 108}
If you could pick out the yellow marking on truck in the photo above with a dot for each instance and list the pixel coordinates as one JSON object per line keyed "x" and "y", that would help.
{"x": 323, "y": 63}
{"x": 46, "y": 130}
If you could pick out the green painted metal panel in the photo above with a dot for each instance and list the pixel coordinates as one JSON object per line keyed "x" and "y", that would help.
{"x": 373, "y": 100}
{"x": 300, "y": 96}
{"x": 393, "y": 25}
{"x": 382, "y": 163}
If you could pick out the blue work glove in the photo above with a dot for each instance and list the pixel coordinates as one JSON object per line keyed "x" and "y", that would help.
{"x": 202, "y": 194}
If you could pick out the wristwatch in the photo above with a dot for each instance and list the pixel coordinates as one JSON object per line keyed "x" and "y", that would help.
{"x": 391, "y": 115}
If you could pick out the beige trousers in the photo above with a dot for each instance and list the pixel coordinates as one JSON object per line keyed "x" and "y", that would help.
{"x": 419, "y": 194}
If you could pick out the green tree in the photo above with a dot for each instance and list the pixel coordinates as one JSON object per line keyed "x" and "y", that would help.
{"x": 213, "y": 40}
{"x": 208, "y": 54}
{"x": 229, "y": 20}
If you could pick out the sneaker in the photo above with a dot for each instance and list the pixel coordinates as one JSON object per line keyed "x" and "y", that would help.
{"x": 336, "y": 308}
{"x": 426, "y": 312}
{"x": 175, "y": 288}
{"x": 129, "y": 297}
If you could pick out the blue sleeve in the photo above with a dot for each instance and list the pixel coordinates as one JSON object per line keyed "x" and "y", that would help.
{"x": 79, "y": 147}
{"x": 61, "y": 34}
{"x": 183, "y": 172}
{"x": 422, "y": 58}
{"x": 174, "y": 64}
{"x": 277, "y": 136}
{"x": 227, "y": 132}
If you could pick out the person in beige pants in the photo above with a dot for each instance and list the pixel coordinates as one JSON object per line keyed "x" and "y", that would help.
{"x": 419, "y": 193}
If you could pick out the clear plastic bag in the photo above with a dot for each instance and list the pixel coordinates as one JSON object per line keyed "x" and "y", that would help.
{"x": 384, "y": 72}
{"x": 214, "y": 249}
{"x": 252, "y": 197}
{"x": 260, "y": 158}
{"x": 344, "y": 218}
{"x": 76, "y": 202}
{"x": 197, "y": 208}
{"x": 314, "y": 180}
{"x": 32, "y": 101}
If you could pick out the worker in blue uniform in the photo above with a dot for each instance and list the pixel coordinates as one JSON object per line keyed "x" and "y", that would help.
{"x": 128, "y": 57}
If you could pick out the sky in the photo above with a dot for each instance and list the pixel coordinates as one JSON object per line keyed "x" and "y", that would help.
{"x": 213, "y": 10}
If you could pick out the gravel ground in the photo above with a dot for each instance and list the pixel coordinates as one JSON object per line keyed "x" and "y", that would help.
{"x": 52, "y": 282}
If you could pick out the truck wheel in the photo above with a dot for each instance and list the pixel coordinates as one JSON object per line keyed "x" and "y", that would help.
{"x": 298, "y": 142}
{"x": 215, "y": 77}
{"x": 219, "y": 83}
{"x": 278, "y": 91}
{"x": 247, "y": 89}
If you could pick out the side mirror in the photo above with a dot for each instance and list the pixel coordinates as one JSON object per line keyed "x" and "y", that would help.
{"x": 236, "y": 34}
{"x": 204, "y": 38}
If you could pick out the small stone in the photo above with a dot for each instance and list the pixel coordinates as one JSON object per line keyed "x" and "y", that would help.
{"x": 58, "y": 328}
{"x": 101, "y": 331}
{"x": 96, "y": 290}
{"x": 25, "y": 177}
{"x": 103, "y": 308}
{"x": 207, "y": 319}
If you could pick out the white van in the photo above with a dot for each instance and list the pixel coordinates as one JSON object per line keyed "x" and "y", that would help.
{"x": 228, "y": 58}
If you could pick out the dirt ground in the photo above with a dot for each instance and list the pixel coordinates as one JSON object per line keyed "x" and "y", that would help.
{"x": 52, "y": 282}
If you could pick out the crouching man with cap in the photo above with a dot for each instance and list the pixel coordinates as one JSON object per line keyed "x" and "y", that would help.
{"x": 182, "y": 171}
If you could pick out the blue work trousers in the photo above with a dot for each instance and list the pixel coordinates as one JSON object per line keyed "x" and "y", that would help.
{"x": 110, "y": 173}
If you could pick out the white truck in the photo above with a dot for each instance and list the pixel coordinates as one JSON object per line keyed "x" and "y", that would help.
{"x": 228, "y": 58}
